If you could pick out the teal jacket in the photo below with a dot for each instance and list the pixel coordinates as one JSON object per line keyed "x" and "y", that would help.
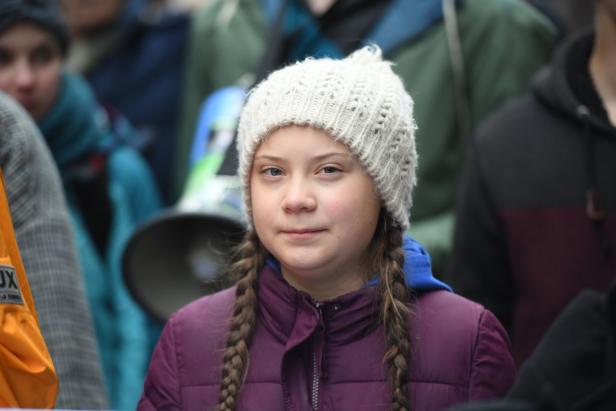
{"x": 503, "y": 43}
{"x": 79, "y": 137}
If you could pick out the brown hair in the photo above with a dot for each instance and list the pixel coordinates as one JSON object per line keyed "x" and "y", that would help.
{"x": 388, "y": 260}
{"x": 386, "y": 257}
{"x": 250, "y": 257}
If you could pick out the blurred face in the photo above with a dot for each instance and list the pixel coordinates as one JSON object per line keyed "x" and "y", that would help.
{"x": 30, "y": 67}
{"x": 315, "y": 209}
{"x": 609, "y": 5}
{"x": 85, "y": 16}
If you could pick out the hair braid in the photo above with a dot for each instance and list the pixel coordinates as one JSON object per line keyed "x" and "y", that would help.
{"x": 395, "y": 313}
{"x": 251, "y": 257}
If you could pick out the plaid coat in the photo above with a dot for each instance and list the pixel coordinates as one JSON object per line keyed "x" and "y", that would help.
{"x": 46, "y": 242}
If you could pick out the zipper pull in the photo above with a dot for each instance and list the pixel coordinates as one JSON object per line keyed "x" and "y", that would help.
{"x": 318, "y": 305}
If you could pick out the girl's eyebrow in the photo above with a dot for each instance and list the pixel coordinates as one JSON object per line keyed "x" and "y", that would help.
{"x": 320, "y": 157}
{"x": 332, "y": 154}
{"x": 267, "y": 157}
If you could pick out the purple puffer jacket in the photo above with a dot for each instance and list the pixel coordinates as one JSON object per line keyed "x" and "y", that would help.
{"x": 330, "y": 355}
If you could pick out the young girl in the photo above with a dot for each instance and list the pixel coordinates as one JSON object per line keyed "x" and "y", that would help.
{"x": 326, "y": 315}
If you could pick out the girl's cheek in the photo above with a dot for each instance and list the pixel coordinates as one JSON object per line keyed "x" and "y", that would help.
{"x": 339, "y": 211}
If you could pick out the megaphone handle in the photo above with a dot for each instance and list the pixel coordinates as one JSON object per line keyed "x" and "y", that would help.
{"x": 202, "y": 172}
{"x": 230, "y": 162}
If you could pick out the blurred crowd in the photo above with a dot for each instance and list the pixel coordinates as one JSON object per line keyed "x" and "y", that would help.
{"x": 515, "y": 103}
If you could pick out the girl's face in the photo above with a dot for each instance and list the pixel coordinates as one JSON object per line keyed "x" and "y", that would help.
{"x": 30, "y": 67}
{"x": 315, "y": 209}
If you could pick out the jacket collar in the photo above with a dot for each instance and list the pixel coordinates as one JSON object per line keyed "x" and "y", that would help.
{"x": 71, "y": 128}
{"x": 292, "y": 316}
{"x": 403, "y": 21}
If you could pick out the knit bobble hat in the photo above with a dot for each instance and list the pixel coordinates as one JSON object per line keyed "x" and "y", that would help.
{"x": 44, "y": 13}
{"x": 359, "y": 101}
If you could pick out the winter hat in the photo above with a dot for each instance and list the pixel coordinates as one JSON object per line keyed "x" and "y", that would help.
{"x": 359, "y": 101}
{"x": 45, "y": 13}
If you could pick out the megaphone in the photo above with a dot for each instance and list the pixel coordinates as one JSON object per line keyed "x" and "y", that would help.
{"x": 180, "y": 255}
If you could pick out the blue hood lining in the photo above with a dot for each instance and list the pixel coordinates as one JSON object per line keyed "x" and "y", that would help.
{"x": 417, "y": 268}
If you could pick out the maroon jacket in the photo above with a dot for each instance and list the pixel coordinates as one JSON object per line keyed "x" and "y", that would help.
{"x": 460, "y": 353}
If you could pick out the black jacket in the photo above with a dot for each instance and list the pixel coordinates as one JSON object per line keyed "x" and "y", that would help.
{"x": 525, "y": 242}
{"x": 574, "y": 366}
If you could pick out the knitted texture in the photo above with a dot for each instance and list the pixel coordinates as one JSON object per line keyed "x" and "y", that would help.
{"x": 359, "y": 101}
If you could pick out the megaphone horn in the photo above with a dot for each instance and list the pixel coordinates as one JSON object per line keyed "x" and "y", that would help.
{"x": 180, "y": 255}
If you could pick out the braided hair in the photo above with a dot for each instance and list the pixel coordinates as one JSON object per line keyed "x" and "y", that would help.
{"x": 386, "y": 256}
{"x": 388, "y": 259}
{"x": 250, "y": 259}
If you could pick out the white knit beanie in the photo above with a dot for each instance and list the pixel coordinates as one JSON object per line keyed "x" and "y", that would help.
{"x": 359, "y": 101}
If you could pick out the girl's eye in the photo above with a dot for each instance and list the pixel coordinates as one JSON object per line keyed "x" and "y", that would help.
{"x": 330, "y": 170}
{"x": 272, "y": 172}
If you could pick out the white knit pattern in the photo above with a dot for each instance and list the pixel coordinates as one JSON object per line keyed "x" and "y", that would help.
{"x": 359, "y": 101}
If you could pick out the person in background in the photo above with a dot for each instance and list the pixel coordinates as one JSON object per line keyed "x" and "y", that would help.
{"x": 132, "y": 52}
{"x": 43, "y": 233}
{"x": 329, "y": 311}
{"x": 108, "y": 185}
{"x": 536, "y": 219}
{"x": 460, "y": 59}
{"x": 574, "y": 365}
{"x": 568, "y": 15}
{"x": 29, "y": 378}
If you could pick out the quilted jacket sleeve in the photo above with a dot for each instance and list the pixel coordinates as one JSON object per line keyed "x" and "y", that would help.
{"x": 493, "y": 369}
{"x": 161, "y": 389}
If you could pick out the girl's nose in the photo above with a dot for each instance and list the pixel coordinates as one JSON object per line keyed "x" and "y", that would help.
{"x": 298, "y": 197}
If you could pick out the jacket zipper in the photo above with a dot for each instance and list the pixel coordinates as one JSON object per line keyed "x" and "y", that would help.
{"x": 315, "y": 382}
{"x": 316, "y": 377}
